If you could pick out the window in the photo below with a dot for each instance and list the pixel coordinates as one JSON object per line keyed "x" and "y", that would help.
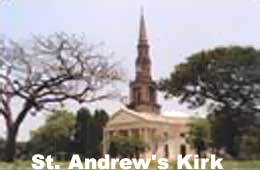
{"x": 183, "y": 150}
{"x": 166, "y": 151}
{"x": 155, "y": 148}
{"x": 152, "y": 94}
{"x": 137, "y": 94}
{"x": 138, "y": 97}
{"x": 165, "y": 135}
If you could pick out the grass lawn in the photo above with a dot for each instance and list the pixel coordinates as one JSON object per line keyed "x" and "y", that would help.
{"x": 228, "y": 165}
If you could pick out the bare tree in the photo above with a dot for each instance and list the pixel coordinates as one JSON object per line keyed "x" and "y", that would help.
{"x": 51, "y": 71}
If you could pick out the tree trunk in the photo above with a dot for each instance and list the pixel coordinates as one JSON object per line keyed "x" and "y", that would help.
{"x": 10, "y": 147}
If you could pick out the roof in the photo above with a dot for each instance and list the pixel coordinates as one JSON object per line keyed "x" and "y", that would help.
{"x": 154, "y": 117}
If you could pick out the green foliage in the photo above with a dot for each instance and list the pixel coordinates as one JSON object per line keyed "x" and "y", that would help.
{"x": 100, "y": 118}
{"x": 124, "y": 147}
{"x": 227, "y": 81}
{"x": 227, "y": 76}
{"x": 200, "y": 135}
{"x": 86, "y": 134}
{"x": 54, "y": 136}
{"x": 65, "y": 133}
{"x": 249, "y": 144}
{"x": 89, "y": 133}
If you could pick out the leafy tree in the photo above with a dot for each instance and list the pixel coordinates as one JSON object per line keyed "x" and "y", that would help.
{"x": 55, "y": 135}
{"x": 86, "y": 134}
{"x": 121, "y": 146}
{"x": 50, "y": 71}
{"x": 249, "y": 144}
{"x": 227, "y": 81}
{"x": 100, "y": 119}
{"x": 200, "y": 135}
{"x": 89, "y": 132}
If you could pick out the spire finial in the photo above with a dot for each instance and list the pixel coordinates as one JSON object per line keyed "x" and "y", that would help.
{"x": 142, "y": 35}
{"x": 142, "y": 10}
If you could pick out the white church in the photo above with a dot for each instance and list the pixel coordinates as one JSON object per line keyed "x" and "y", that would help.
{"x": 166, "y": 136}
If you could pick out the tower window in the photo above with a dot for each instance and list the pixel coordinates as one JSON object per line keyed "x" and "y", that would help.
{"x": 152, "y": 94}
{"x": 138, "y": 96}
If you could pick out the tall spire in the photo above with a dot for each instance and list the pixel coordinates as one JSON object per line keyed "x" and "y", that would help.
{"x": 143, "y": 96}
{"x": 143, "y": 62}
{"x": 142, "y": 31}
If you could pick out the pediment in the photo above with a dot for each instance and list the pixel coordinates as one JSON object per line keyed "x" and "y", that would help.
{"x": 123, "y": 117}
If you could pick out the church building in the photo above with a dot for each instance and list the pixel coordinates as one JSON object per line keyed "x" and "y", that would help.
{"x": 142, "y": 116}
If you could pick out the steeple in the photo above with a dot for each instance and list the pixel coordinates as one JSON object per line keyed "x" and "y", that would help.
{"x": 142, "y": 31}
{"x": 143, "y": 62}
{"x": 143, "y": 97}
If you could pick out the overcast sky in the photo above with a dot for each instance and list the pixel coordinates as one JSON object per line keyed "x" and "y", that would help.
{"x": 176, "y": 29}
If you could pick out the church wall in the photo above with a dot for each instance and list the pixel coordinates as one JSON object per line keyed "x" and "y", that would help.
{"x": 156, "y": 134}
{"x": 170, "y": 135}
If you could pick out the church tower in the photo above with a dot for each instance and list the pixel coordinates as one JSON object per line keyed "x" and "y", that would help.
{"x": 143, "y": 97}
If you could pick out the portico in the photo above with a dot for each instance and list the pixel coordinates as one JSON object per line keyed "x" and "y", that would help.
{"x": 164, "y": 135}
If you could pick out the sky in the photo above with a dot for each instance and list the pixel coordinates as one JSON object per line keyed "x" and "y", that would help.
{"x": 176, "y": 29}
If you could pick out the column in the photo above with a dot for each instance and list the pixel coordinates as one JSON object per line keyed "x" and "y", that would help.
{"x": 140, "y": 133}
{"x": 146, "y": 138}
{"x": 129, "y": 133}
{"x": 116, "y": 133}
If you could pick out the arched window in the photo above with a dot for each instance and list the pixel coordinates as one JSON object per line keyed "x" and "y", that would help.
{"x": 137, "y": 95}
{"x": 183, "y": 150}
{"x": 152, "y": 94}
